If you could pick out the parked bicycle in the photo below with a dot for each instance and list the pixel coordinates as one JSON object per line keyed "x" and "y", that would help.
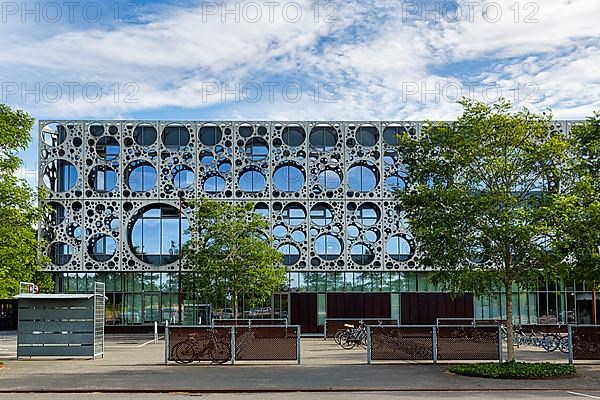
{"x": 195, "y": 347}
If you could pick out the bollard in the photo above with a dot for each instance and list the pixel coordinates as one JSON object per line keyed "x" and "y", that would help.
{"x": 232, "y": 344}
{"x": 298, "y": 344}
{"x": 167, "y": 343}
{"x": 500, "y": 356}
{"x": 434, "y": 343}
{"x": 155, "y": 332}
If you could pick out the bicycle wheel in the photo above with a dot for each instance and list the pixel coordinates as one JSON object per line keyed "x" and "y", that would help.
{"x": 183, "y": 353}
{"x": 220, "y": 353}
{"x": 338, "y": 334}
{"x": 563, "y": 346}
{"x": 347, "y": 341}
{"x": 549, "y": 343}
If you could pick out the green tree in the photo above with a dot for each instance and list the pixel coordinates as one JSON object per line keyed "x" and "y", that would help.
{"x": 578, "y": 210}
{"x": 231, "y": 253}
{"x": 20, "y": 259}
{"x": 477, "y": 200}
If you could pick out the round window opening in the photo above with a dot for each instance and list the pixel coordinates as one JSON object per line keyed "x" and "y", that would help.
{"x": 293, "y": 214}
{"x": 145, "y": 135}
{"x": 323, "y": 137}
{"x": 60, "y": 176}
{"x": 367, "y": 136}
{"x": 213, "y": 184}
{"x": 102, "y": 178}
{"x": 210, "y": 135}
{"x": 175, "y": 137}
{"x": 362, "y": 254}
{"x": 140, "y": 176}
{"x": 399, "y": 248}
{"x": 54, "y": 134}
{"x": 367, "y": 214}
{"x": 330, "y": 179}
{"x": 293, "y": 135}
{"x": 257, "y": 149}
{"x": 391, "y": 134}
{"x": 102, "y": 247}
{"x": 288, "y": 177}
{"x": 363, "y": 177}
{"x": 60, "y": 253}
{"x": 107, "y": 148}
{"x": 328, "y": 247}
{"x": 291, "y": 253}
{"x": 184, "y": 177}
{"x": 321, "y": 214}
{"x": 153, "y": 234}
{"x": 252, "y": 181}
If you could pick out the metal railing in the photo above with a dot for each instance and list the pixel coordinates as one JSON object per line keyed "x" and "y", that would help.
{"x": 331, "y": 325}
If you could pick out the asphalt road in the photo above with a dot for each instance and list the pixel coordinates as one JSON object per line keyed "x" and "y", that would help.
{"x": 548, "y": 395}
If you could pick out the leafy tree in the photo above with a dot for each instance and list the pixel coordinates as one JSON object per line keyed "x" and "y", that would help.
{"x": 20, "y": 259}
{"x": 477, "y": 199}
{"x": 578, "y": 211}
{"x": 232, "y": 254}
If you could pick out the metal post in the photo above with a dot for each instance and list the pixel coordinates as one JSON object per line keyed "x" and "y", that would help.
{"x": 298, "y": 341}
{"x": 167, "y": 343}
{"x": 325, "y": 330}
{"x": 500, "y": 355}
{"x": 570, "y": 335}
{"x": 369, "y": 344}
{"x": 232, "y": 344}
{"x": 180, "y": 293}
{"x": 434, "y": 343}
{"x": 155, "y": 332}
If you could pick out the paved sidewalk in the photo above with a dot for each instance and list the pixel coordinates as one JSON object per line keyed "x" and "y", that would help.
{"x": 138, "y": 367}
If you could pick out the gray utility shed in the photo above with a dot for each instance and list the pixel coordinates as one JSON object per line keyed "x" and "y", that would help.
{"x": 61, "y": 325}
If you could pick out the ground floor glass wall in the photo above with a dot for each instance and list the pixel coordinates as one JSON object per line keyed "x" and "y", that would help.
{"x": 140, "y": 297}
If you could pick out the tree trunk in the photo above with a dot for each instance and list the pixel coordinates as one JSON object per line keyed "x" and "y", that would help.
{"x": 510, "y": 344}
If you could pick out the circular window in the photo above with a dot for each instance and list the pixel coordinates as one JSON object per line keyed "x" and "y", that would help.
{"x": 140, "y": 176}
{"x": 252, "y": 181}
{"x": 298, "y": 235}
{"x": 96, "y": 130}
{"x": 246, "y": 130}
{"x": 399, "y": 249}
{"x": 224, "y": 165}
{"x": 395, "y": 183}
{"x": 328, "y": 247}
{"x": 363, "y": 177}
{"x": 293, "y": 135}
{"x": 367, "y": 136}
{"x": 353, "y": 231}
{"x": 391, "y": 134}
{"x": 279, "y": 231}
{"x": 367, "y": 214}
{"x": 288, "y": 177}
{"x": 291, "y": 253}
{"x": 362, "y": 254}
{"x": 210, "y": 135}
{"x": 60, "y": 176}
{"x": 213, "y": 184}
{"x": 60, "y": 253}
{"x": 175, "y": 137}
{"x": 321, "y": 214}
{"x": 323, "y": 137}
{"x": 153, "y": 234}
{"x": 294, "y": 214}
{"x": 183, "y": 177}
{"x": 54, "y": 134}
{"x": 102, "y": 178}
{"x": 102, "y": 247}
{"x": 257, "y": 149}
{"x": 145, "y": 135}
{"x": 329, "y": 179}
{"x": 107, "y": 148}
{"x": 262, "y": 209}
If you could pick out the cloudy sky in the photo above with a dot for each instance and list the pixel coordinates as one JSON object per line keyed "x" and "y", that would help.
{"x": 297, "y": 60}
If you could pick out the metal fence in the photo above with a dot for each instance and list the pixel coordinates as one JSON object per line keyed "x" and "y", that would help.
{"x": 433, "y": 342}
{"x": 332, "y": 325}
{"x": 249, "y": 322}
{"x": 584, "y": 342}
{"x": 219, "y": 344}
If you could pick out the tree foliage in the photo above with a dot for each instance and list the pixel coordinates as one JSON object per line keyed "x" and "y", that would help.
{"x": 20, "y": 259}
{"x": 578, "y": 210}
{"x": 478, "y": 198}
{"x": 232, "y": 254}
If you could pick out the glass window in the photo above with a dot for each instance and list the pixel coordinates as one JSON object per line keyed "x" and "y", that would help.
{"x": 102, "y": 178}
{"x": 144, "y": 135}
{"x": 398, "y": 248}
{"x": 293, "y": 135}
{"x": 321, "y": 214}
{"x": 363, "y": 177}
{"x": 330, "y": 179}
{"x": 60, "y": 176}
{"x": 257, "y": 149}
{"x": 107, "y": 148}
{"x": 175, "y": 137}
{"x": 140, "y": 176}
{"x": 252, "y": 180}
{"x": 294, "y": 214}
{"x": 328, "y": 247}
{"x": 368, "y": 214}
{"x": 367, "y": 136}
{"x": 288, "y": 177}
{"x": 323, "y": 137}
{"x": 210, "y": 134}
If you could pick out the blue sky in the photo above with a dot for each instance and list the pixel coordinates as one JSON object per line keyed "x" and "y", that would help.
{"x": 295, "y": 60}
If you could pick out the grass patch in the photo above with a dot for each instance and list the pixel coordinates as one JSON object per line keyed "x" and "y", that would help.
{"x": 515, "y": 370}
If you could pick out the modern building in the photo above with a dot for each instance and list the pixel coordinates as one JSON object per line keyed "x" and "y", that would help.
{"x": 117, "y": 188}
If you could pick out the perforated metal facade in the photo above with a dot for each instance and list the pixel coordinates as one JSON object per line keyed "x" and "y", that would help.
{"x": 326, "y": 187}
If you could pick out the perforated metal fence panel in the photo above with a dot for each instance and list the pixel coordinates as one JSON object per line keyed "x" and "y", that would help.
{"x": 266, "y": 343}
{"x": 401, "y": 343}
{"x": 468, "y": 343}
{"x": 192, "y": 343}
{"x": 332, "y": 325}
{"x": 586, "y": 342}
